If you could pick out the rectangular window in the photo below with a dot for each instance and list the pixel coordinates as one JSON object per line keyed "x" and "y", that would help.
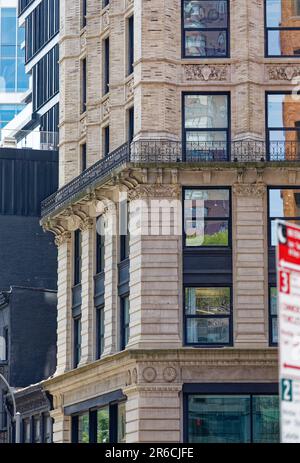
{"x": 83, "y": 85}
{"x": 100, "y": 331}
{"x": 282, "y": 28}
{"x": 206, "y": 126}
{"x": 5, "y": 349}
{"x": 100, "y": 247}
{"x": 77, "y": 341}
{"x": 207, "y": 218}
{"x": 273, "y": 317}
{"x": 106, "y": 141}
{"x": 284, "y": 204}
{"x": 77, "y": 257}
{"x": 130, "y": 53}
{"x": 227, "y": 419}
{"x": 205, "y": 28}
{"x": 283, "y": 127}
{"x": 208, "y": 316}
{"x": 105, "y": 3}
{"x": 103, "y": 425}
{"x": 125, "y": 321}
{"x": 106, "y": 66}
{"x": 47, "y": 429}
{"x": 83, "y": 157}
{"x": 130, "y": 124}
{"x": 124, "y": 230}
{"x": 83, "y": 18}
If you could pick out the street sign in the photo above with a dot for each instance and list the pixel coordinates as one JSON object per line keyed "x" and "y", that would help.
{"x": 288, "y": 280}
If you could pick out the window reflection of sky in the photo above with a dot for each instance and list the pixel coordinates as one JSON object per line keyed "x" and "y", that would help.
{"x": 273, "y": 13}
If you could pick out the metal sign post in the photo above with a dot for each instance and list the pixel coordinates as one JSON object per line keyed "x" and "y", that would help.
{"x": 288, "y": 281}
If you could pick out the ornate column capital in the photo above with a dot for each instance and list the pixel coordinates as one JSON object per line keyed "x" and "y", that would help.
{"x": 249, "y": 189}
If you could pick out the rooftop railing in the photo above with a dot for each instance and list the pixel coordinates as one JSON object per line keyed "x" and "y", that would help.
{"x": 165, "y": 151}
{"x": 11, "y": 138}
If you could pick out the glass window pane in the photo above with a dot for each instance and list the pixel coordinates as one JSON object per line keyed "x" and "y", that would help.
{"x": 284, "y": 203}
{"x": 209, "y": 203}
{"x": 207, "y": 301}
{"x": 83, "y": 429}
{"x": 274, "y": 330}
{"x": 273, "y": 301}
{"x": 207, "y": 330}
{"x": 206, "y": 43}
{"x": 219, "y": 419}
{"x": 103, "y": 425}
{"x": 284, "y": 42}
{"x": 206, "y": 111}
{"x": 273, "y": 8}
{"x": 265, "y": 419}
{"x": 205, "y": 14}
{"x": 283, "y": 111}
{"x": 206, "y": 145}
{"x": 122, "y": 423}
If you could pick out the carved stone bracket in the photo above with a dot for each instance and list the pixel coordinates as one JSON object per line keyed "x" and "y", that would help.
{"x": 206, "y": 72}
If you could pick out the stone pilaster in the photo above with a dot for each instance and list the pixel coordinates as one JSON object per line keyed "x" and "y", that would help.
{"x": 155, "y": 268}
{"x": 87, "y": 291}
{"x": 64, "y": 303}
{"x": 61, "y": 427}
{"x": 250, "y": 265}
{"x": 111, "y": 282}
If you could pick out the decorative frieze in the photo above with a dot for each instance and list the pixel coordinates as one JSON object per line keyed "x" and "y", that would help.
{"x": 286, "y": 72}
{"x": 129, "y": 91}
{"x": 206, "y": 72}
{"x": 154, "y": 191}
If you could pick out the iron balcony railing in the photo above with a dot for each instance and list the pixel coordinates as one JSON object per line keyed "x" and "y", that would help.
{"x": 165, "y": 151}
{"x": 33, "y": 139}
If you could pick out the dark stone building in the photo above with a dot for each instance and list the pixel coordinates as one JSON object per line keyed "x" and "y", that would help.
{"x": 28, "y": 274}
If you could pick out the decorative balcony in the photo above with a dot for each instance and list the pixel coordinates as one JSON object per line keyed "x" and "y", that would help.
{"x": 158, "y": 152}
{"x": 33, "y": 139}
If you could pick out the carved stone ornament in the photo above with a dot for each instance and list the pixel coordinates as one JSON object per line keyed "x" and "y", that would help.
{"x": 129, "y": 89}
{"x": 105, "y": 19}
{"x": 169, "y": 374}
{"x": 62, "y": 238}
{"x": 128, "y": 378}
{"x": 285, "y": 72}
{"x": 250, "y": 189}
{"x": 149, "y": 374}
{"x": 206, "y": 72}
{"x": 86, "y": 224}
{"x": 134, "y": 376}
{"x": 154, "y": 191}
{"x": 105, "y": 108}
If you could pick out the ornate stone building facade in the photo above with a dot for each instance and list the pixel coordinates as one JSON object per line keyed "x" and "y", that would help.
{"x": 159, "y": 329}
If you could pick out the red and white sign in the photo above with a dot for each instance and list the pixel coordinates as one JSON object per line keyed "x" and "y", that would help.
{"x": 288, "y": 278}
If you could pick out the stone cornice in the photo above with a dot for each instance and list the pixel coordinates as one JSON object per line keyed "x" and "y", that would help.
{"x": 122, "y": 362}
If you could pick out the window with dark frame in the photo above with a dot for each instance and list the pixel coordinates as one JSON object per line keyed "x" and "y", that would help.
{"x": 105, "y": 3}
{"x": 284, "y": 204}
{"x": 232, "y": 418}
{"x": 283, "y": 127}
{"x": 125, "y": 321}
{"x": 83, "y": 85}
{"x": 205, "y": 28}
{"x": 206, "y": 126}
{"x": 282, "y": 31}
{"x": 100, "y": 331}
{"x": 103, "y": 425}
{"x": 84, "y": 11}
{"x": 77, "y": 340}
{"x": 100, "y": 248}
{"x": 6, "y": 342}
{"x": 208, "y": 316}
{"x": 273, "y": 314}
{"x": 130, "y": 124}
{"x": 207, "y": 215}
{"x": 106, "y": 141}
{"x": 83, "y": 157}
{"x": 77, "y": 257}
{"x": 106, "y": 66}
{"x": 124, "y": 230}
{"x": 130, "y": 52}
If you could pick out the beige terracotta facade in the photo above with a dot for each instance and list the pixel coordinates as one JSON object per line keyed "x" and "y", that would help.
{"x": 155, "y": 365}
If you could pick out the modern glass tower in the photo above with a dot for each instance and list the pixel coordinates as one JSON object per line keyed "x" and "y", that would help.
{"x": 13, "y": 80}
